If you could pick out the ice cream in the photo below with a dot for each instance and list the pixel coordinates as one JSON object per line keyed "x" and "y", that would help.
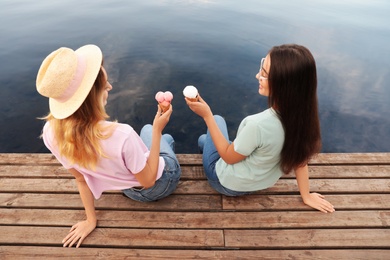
{"x": 164, "y": 100}
{"x": 191, "y": 93}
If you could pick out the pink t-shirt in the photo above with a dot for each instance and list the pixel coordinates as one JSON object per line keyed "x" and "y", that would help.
{"x": 127, "y": 155}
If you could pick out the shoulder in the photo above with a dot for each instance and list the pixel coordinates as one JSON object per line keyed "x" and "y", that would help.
{"x": 259, "y": 119}
{"x": 119, "y": 128}
{"x": 46, "y": 127}
{"x": 124, "y": 133}
{"x": 47, "y": 134}
{"x": 124, "y": 128}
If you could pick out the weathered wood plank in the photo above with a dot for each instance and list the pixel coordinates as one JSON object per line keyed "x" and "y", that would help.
{"x": 54, "y": 253}
{"x": 202, "y": 186}
{"x": 197, "y": 173}
{"x": 195, "y": 202}
{"x": 57, "y": 171}
{"x": 196, "y": 159}
{"x": 308, "y": 238}
{"x": 34, "y": 171}
{"x": 348, "y": 171}
{"x": 199, "y": 220}
{"x": 115, "y": 237}
{"x": 28, "y": 159}
{"x": 294, "y": 202}
{"x": 351, "y": 158}
{"x": 49, "y": 159}
{"x": 110, "y": 201}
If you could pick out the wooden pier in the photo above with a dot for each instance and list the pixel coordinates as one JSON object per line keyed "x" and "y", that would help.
{"x": 39, "y": 202}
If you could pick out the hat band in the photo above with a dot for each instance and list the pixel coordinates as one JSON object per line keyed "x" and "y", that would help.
{"x": 76, "y": 81}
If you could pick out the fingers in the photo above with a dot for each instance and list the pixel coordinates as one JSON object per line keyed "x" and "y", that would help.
{"x": 158, "y": 110}
{"x": 318, "y": 202}
{"x": 70, "y": 239}
{"x": 188, "y": 101}
{"x": 326, "y": 205}
{"x": 80, "y": 241}
{"x": 73, "y": 237}
{"x": 329, "y": 207}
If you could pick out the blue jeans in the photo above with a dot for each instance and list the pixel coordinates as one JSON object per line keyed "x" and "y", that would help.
{"x": 211, "y": 156}
{"x": 170, "y": 176}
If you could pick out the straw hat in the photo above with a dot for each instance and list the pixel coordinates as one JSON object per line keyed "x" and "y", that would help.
{"x": 66, "y": 78}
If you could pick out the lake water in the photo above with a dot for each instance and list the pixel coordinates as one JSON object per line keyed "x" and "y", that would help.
{"x": 215, "y": 45}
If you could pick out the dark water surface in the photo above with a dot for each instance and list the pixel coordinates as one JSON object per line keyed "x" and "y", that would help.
{"x": 215, "y": 45}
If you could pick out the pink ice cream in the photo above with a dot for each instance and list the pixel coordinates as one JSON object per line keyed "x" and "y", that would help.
{"x": 164, "y": 99}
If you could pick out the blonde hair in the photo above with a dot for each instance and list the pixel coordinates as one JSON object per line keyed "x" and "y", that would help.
{"x": 78, "y": 136}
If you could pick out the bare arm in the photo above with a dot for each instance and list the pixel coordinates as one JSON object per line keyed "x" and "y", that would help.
{"x": 314, "y": 200}
{"x": 81, "y": 230}
{"x": 147, "y": 176}
{"x": 224, "y": 148}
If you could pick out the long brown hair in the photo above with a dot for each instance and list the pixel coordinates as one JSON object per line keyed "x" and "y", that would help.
{"x": 293, "y": 94}
{"x": 78, "y": 136}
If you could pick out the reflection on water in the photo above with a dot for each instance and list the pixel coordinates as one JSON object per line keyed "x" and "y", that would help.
{"x": 215, "y": 45}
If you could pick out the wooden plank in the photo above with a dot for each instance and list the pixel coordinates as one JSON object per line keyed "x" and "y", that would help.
{"x": 294, "y": 202}
{"x": 69, "y": 186}
{"x": 308, "y": 238}
{"x": 351, "y": 158}
{"x": 195, "y": 202}
{"x": 54, "y": 253}
{"x": 38, "y": 185}
{"x": 49, "y": 159}
{"x": 115, "y": 237}
{"x": 199, "y": 220}
{"x": 34, "y": 171}
{"x": 348, "y": 171}
{"x": 202, "y": 186}
{"x": 190, "y": 159}
{"x": 57, "y": 171}
{"x": 196, "y": 159}
{"x": 197, "y": 172}
{"x": 28, "y": 159}
{"x": 110, "y": 201}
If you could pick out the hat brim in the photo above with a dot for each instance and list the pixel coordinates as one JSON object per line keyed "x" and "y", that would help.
{"x": 94, "y": 56}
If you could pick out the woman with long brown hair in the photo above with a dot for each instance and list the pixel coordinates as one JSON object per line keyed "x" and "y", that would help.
{"x": 274, "y": 142}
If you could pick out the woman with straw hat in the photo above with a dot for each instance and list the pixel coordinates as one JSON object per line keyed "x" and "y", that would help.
{"x": 102, "y": 155}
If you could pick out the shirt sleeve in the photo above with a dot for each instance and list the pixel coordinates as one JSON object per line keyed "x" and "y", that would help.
{"x": 248, "y": 138}
{"x": 135, "y": 153}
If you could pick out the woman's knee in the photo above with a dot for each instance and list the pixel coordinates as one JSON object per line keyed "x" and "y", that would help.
{"x": 219, "y": 119}
{"x": 168, "y": 138}
{"x": 146, "y": 128}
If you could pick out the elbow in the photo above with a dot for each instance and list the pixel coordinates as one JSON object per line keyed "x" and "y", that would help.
{"x": 148, "y": 183}
{"x": 228, "y": 161}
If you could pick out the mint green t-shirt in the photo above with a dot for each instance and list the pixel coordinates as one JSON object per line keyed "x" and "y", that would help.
{"x": 260, "y": 137}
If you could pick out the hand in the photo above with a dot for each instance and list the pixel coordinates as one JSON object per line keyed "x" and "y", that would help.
{"x": 161, "y": 120}
{"x": 200, "y": 108}
{"x": 78, "y": 232}
{"x": 317, "y": 201}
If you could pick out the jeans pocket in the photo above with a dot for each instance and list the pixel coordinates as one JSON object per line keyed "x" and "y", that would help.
{"x": 160, "y": 189}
